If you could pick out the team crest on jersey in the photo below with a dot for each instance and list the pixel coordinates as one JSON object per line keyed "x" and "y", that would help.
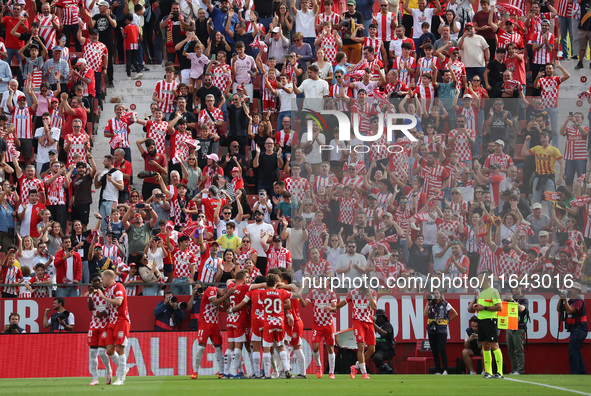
{"x": 104, "y": 335}
{"x": 120, "y": 334}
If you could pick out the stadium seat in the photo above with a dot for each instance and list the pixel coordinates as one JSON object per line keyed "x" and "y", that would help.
{"x": 275, "y": 223}
{"x": 475, "y": 360}
{"x": 518, "y": 157}
{"x": 257, "y": 82}
{"x": 252, "y": 198}
{"x": 223, "y": 130}
{"x": 254, "y": 106}
{"x": 420, "y": 363}
{"x": 283, "y": 175}
{"x": 520, "y": 175}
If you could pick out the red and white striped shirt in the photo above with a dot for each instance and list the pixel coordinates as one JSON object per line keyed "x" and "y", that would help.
{"x": 542, "y": 55}
{"x": 208, "y": 268}
{"x": 425, "y": 65}
{"x": 121, "y": 128}
{"x": 158, "y": 131}
{"x": 78, "y": 145}
{"x": 333, "y": 18}
{"x": 278, "y": 258}
{"x": 376, "y": 44}
{"x": 354, "y": 182}
{"x": 536, "y": 24}
{"x": 269, "y": 99}
{"x": 56, "y": 120}
{"x": 372, "y": 213}
{"x": 55, "y": 191}
{"x": 576, "y": 144}
{"x": 427, "y": 93}
{"x": 384, "y": 23}
{"x": 165, "y": 91}
{"x": 70, "y": 11}
{"x": 504, "y": 160}
{"x": 23, "y": 122}
{"x": 10, "y": 275}
{"x": 471, "y": 242}
{"x": 46, "y": 30}
{"x": 403, "y": 74}
{"x": 564, "y": 8}
{"x": 324, "y": 181}
{"x": 486, "y": 257}
{"x": 471, "y": 114}
{"x": 587, "y": 220}
{"x": 434, "y": 177}
{"x": 504, "y": 38}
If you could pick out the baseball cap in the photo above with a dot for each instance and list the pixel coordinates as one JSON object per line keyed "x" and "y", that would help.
{"x": 453, "y": 49}
{"x": 543, "y": 233}
{"x": 566, "y": 251}
{"x": 470, "y": 24}
{"x": 536, "y": 205}
{"x": 351, "y": 2}
{"x": 55, "y": 100}
{"x": 372, "y": 196}
{"x": 275, "y": 29}
{"x": 81, "y": 60}
{"x": 93, "y": 31}
{"x": 534, "y": 249}
{"x": 97, "y": 245}
{"x": 52, "y": 151}
{"x": 213, "y": 157}
{"x": 215, "y": 243}
{"x": 259, "y": 211}
{"x": 507, "y": 238}
{"x": 468, "y": 96}
{"x": 57, "y": 48}
{"x": 499, "y": 141}
{"x": 103, "y": 3}
{"x": 576, "y": 285}
{"x": 511, "y": 21}
{"x": 21, "y": 97}
{"x": 235, "y": 169}
{"x": 276, "y": 238}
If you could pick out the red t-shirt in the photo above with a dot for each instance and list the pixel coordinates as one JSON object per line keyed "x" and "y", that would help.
{"x": 11, "y": 41}
{"x": 67, "y": 127}
{"x": 159, "y": 158}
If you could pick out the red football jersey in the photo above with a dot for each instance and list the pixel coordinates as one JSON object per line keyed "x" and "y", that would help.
{"x": 119, "y": 313}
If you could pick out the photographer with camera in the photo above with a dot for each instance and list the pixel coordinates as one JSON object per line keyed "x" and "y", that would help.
{"x": 515, "y": 338}
{"x": 439, "y": 313}
{"x": 194, "y": 306}
{"x": 169, "y": 313}
{"x": 12, "y": 327}
{"x": 575, "y": 318}
{"x": 60, "y": 321}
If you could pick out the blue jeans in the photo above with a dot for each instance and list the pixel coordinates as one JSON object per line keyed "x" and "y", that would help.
{"x": 181, "y": 290}
{"x": 475, "y": 71}
{"x": 538, "y": 193}
{"x": 158, "y": 48}
{"x": 105, "y": 208}
{"x": 70, "y": 291}
{"x": 151, "y": 290}
{"x": 575, "y": 357}
{"x": 479, "y": 132}
{"x": 140, "y": 55}
{"x": 12, "y": 53}
{"x": 85, "y": 272}
{"x": 98, "y": 84}
{"x": 572, "y": 166}
{"x": 553, "y": 114}
{"x": 566, "y": 26}
{"x": 266, "y": 22}
{"x": 404, "y": 248}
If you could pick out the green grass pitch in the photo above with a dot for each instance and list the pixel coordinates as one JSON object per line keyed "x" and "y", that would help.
{"x": 342, "y": 385}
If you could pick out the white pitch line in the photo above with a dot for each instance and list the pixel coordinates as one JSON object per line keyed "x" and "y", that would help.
{"x": 549, "y": 386}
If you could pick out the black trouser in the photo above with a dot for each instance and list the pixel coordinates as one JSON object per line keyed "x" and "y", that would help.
{"x": 98, "y": 83}
{"x": 73, "y": 30}
{"x": 492, "y": 47}
{"x": 111, "y": 51}
{"x": 380, "y": 357}
{"x": 119, "y": 41}
{"x": 149, "y": 40}
{"x": 147, "y": 189}
{"x": 262, "y": 265}
{"x": 59, "y": 213}
{"x": 131, "y": 56}
{"x": 438, "y": 342}
{"x": 63, "y": 154}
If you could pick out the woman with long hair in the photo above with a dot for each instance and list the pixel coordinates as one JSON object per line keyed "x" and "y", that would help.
{"x": 26, "y": 251}
{"x": 227, "y": 268}
{"x": 283, "y": 19}
{"x": 148, "y": 272}
{"x": 216, "y": 44}
{"x": 439, "y": 314}
{"x": 324, "y": 66}
{"x": 245, "y": 252}
{"x": 192, "y": 174}
{"x": 53, "y": 237}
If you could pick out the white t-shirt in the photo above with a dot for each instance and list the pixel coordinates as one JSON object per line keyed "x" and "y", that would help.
{"x": 111, "y": 193}
{"x": 157, "y": 257}
{"x": 473, "y": 51}
{"x": 221, "y": 227}
{"x": 254, "y": 231}
{"x": 314, "y": 91}
{"x": 5, "y": 96}
{"x": 285, "y": 98}
{"x": 27, "y": 259}
{"x": 264, "y": 209}
{"x": 26, "y": 221}
{"x": 305, "y": 22}
{"x": 295, "y": 243}
{"x": 418, "y": 18}
{"x": 343, "y": 262}
{"x": 43, "y": 151}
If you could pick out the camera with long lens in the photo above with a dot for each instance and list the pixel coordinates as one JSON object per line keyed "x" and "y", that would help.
{"x": 432, "y": 327}
{"x": 431, "y": 297}
{"x": 63, "y": 316}
{"x": 12, "y": 327}
{"x": 182, "y": 305}
{"x": 562, "y": 293}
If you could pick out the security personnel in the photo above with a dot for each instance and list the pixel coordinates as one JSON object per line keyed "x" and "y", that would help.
{"x": 384, "y": 342}
{"x": 516, "y": 338}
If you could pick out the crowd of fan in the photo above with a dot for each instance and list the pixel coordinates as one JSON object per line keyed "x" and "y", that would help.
{"x": 226, "y": 126}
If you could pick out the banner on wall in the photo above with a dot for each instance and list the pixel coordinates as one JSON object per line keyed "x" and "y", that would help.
{"x": 150, "y": 353}
{"x": 404, "y": 311}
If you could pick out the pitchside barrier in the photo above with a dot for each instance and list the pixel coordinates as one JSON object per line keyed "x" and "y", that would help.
{"x": 170, "y": 353}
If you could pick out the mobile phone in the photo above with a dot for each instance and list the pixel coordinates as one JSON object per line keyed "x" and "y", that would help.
{"x": 570, "y": 113}
{"x": 140, "y": 205}
{"x": 159, "y": 195}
